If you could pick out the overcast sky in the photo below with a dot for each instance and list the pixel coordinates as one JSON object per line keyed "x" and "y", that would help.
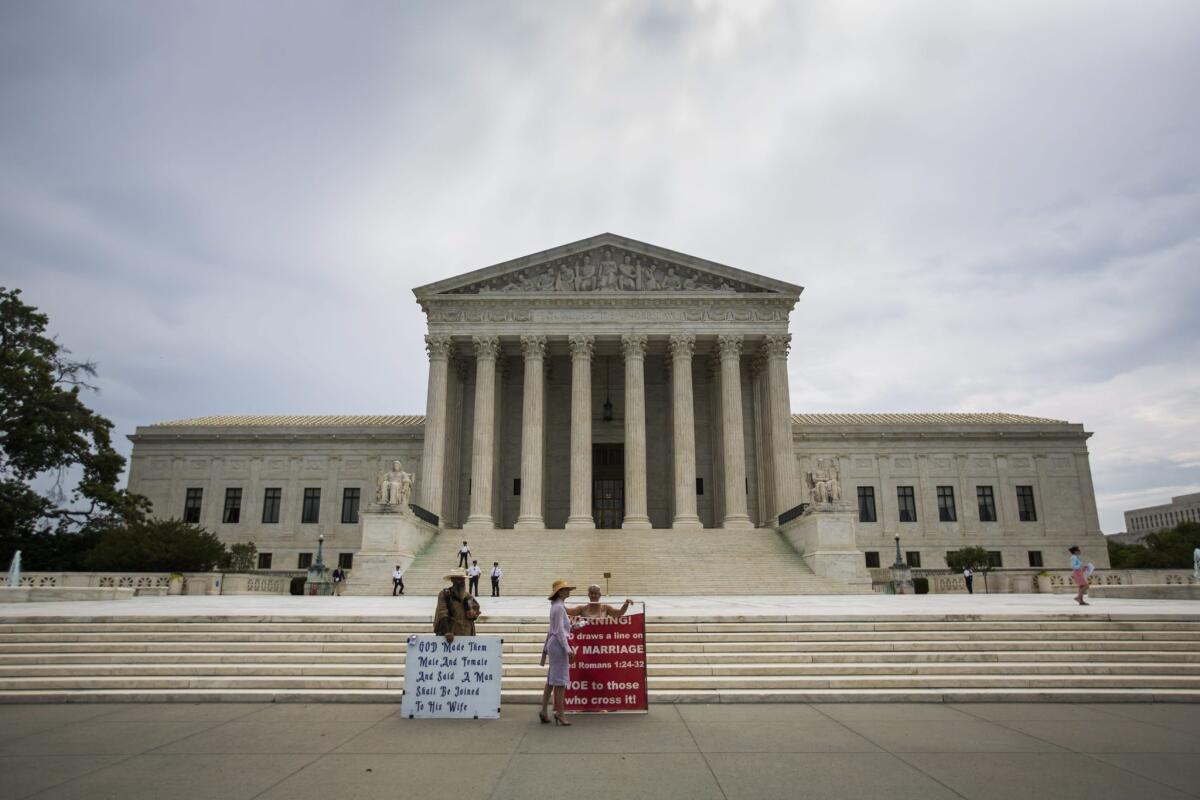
{"x": 992, "y": 206}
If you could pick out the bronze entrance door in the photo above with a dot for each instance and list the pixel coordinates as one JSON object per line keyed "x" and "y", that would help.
{"x": 608, "y": 485}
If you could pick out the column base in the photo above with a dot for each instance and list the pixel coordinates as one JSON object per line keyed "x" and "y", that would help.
{"x": 686, "y": 521}
{"x": 739, "y": 521}
{"x": 478, "y": 522}
{"x": 638, "y": 522}
{"x": 529, "y": 523}
{"x": 581, "y": 523}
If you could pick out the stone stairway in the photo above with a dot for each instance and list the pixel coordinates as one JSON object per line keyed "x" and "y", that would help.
{"x": 935, "y": 658}
{"x": 653, "y": 562}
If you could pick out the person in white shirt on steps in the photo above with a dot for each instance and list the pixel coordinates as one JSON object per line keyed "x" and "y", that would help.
{"x": 397, "y": 581}
{"x": 473, "y": 575}
{"x": 464, "y": 553}
{"x": 496, "y": 575}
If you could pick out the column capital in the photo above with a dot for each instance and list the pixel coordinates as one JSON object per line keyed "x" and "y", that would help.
{"x": 777, "y": 345}
{"x": 581, "y": 346}
{"x": 682, "y": 346}
{"x": 486, "y": 347}
{"x": 633, "y": 345}
{"x": 534, "y": 347}
{"x": 438, "y": 346}
{"x": 730, "y": 345}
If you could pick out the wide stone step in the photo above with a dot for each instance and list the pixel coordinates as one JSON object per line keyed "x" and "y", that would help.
{"x": 707, "y": 682}
{"x": 191, "y": 670}
{"x": 515, "y": 697}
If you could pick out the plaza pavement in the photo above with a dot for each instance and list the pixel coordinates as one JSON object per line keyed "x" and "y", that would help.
{"x": 657, "y": 606}
{"x": 690, "y": 752}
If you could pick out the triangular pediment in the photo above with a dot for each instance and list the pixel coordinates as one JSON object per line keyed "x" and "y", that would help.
{"x": 606, "y": 264}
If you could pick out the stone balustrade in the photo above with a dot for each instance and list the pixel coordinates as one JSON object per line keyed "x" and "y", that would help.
{"x": 158, "y": 583}
{"x": 1016, "y": 581}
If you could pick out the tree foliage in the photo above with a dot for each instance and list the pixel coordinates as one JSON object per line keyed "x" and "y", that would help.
{"x": 1171, "y": 548}
{"x": 155, "y": 546}
{"x": 240, "y": 557}
{"x": 974, "y": 557}
{"x": 46, "y": 428}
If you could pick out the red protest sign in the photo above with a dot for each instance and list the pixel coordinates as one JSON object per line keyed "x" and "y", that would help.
{"x": 609, "y": 673}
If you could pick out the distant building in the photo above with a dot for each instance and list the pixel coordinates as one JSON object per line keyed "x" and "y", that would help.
{"x": 1184, "y": 508}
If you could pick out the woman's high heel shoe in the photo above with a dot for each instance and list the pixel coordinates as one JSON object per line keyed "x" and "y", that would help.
{"x": 542, "y": 716}
{"x": 558, "y": 720}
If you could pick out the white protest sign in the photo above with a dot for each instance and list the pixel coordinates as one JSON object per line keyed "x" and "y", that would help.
{"x": 459, "y": 680}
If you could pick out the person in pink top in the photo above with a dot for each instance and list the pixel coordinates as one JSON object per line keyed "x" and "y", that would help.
{"x": 1078, "y": 575}
{"x": 557, "y": 649}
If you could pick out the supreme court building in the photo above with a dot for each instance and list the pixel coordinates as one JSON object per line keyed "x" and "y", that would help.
{"x": 610, "y": 383}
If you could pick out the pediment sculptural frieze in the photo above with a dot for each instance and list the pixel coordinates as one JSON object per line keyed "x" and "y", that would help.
{"x": 608, "y": 269}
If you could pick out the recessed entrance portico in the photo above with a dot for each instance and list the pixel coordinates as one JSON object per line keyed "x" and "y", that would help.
{"x": 551, "y": 356}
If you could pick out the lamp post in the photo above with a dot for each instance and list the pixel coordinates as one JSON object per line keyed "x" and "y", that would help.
{"x": 321, "y": 546}
{"x": 901, "y": 574}
{"x": 318, "y": 582}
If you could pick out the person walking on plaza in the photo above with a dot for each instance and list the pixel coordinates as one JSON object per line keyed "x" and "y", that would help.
{"x": 594, "y": 608}
{"x": 397, "y": 581}
{"x": 557, "y": 648}
{"x": 456, "y": 610}
{"x": 464, "y": 553}
{"x": 473, "y": 576}
{"x": 969, "y": 577}
{"x": 339, "y": 580}
{"x": 497, "y": 573}
{"x": 1078, "y": 574}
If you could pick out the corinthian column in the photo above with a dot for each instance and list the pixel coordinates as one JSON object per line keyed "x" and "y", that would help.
{"x": 433, "y": 458}
{"x": 733, "y": 438}
{"x": 779, "y": 406}
{"x": 634, "y": 348}
{"x": 683, "y": 415}
{"x": 581, "y": 433}
{"x": 483, "y": 438}
{"x": 532, "y": 426}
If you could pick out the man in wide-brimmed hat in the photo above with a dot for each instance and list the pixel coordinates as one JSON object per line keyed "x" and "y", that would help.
{"x": 456, "y": 608}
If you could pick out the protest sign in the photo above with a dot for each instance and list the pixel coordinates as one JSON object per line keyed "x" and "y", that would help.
{"x": 457, "y": 680}
{"x": 609, "y": 673}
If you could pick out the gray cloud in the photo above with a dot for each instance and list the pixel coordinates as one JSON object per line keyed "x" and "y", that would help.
{"x": 992, "y": 206}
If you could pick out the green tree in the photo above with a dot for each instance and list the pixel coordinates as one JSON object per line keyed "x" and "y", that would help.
{"x": 241, "y": 557}
{"x": 974, "y": 557}
{"x": 46, "y": 428}
{"x": 156, "y": 545}
{"x": 1171, "y": 548}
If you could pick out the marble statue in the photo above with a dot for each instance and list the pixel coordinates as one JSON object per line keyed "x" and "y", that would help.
{"x": 395, "y": 486}
{"x": 826, "y": 487}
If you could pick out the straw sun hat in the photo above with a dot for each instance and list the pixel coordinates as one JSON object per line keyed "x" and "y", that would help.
{"x": 558, "y": 587}
{"x": 458, "y": 573}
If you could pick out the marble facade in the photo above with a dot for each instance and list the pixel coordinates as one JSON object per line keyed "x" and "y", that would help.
{"x": 613, "y": 367}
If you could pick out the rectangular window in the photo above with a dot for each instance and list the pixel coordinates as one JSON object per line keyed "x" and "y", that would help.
{"x": 311, "y": 511}
{"x": 946, "y": 510}
{"x": 1025, "y": 507}
{"x": 987, "y": 503}
{"x": 872, "y": 559}
{"x": 866, "y": 504}
{"x": 271, "y": 501}
{"x": 191, "y": 505}
{"x": 913, "y": 559}
{"x": 907, "y": 502}
{"x": 346, "y": 560}
{"x": 1035, "y": 558}
{"x": 304, "y": 561}
{"x": 350, "y": 498}
{"x": 264, "y": 560}
{"x": 233, "y": 507}
{"x": 516, "y": 487}
{"x": 994, "y": 559}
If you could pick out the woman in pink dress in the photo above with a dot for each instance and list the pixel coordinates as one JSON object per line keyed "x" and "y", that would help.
{"x": 557, "y": 649}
